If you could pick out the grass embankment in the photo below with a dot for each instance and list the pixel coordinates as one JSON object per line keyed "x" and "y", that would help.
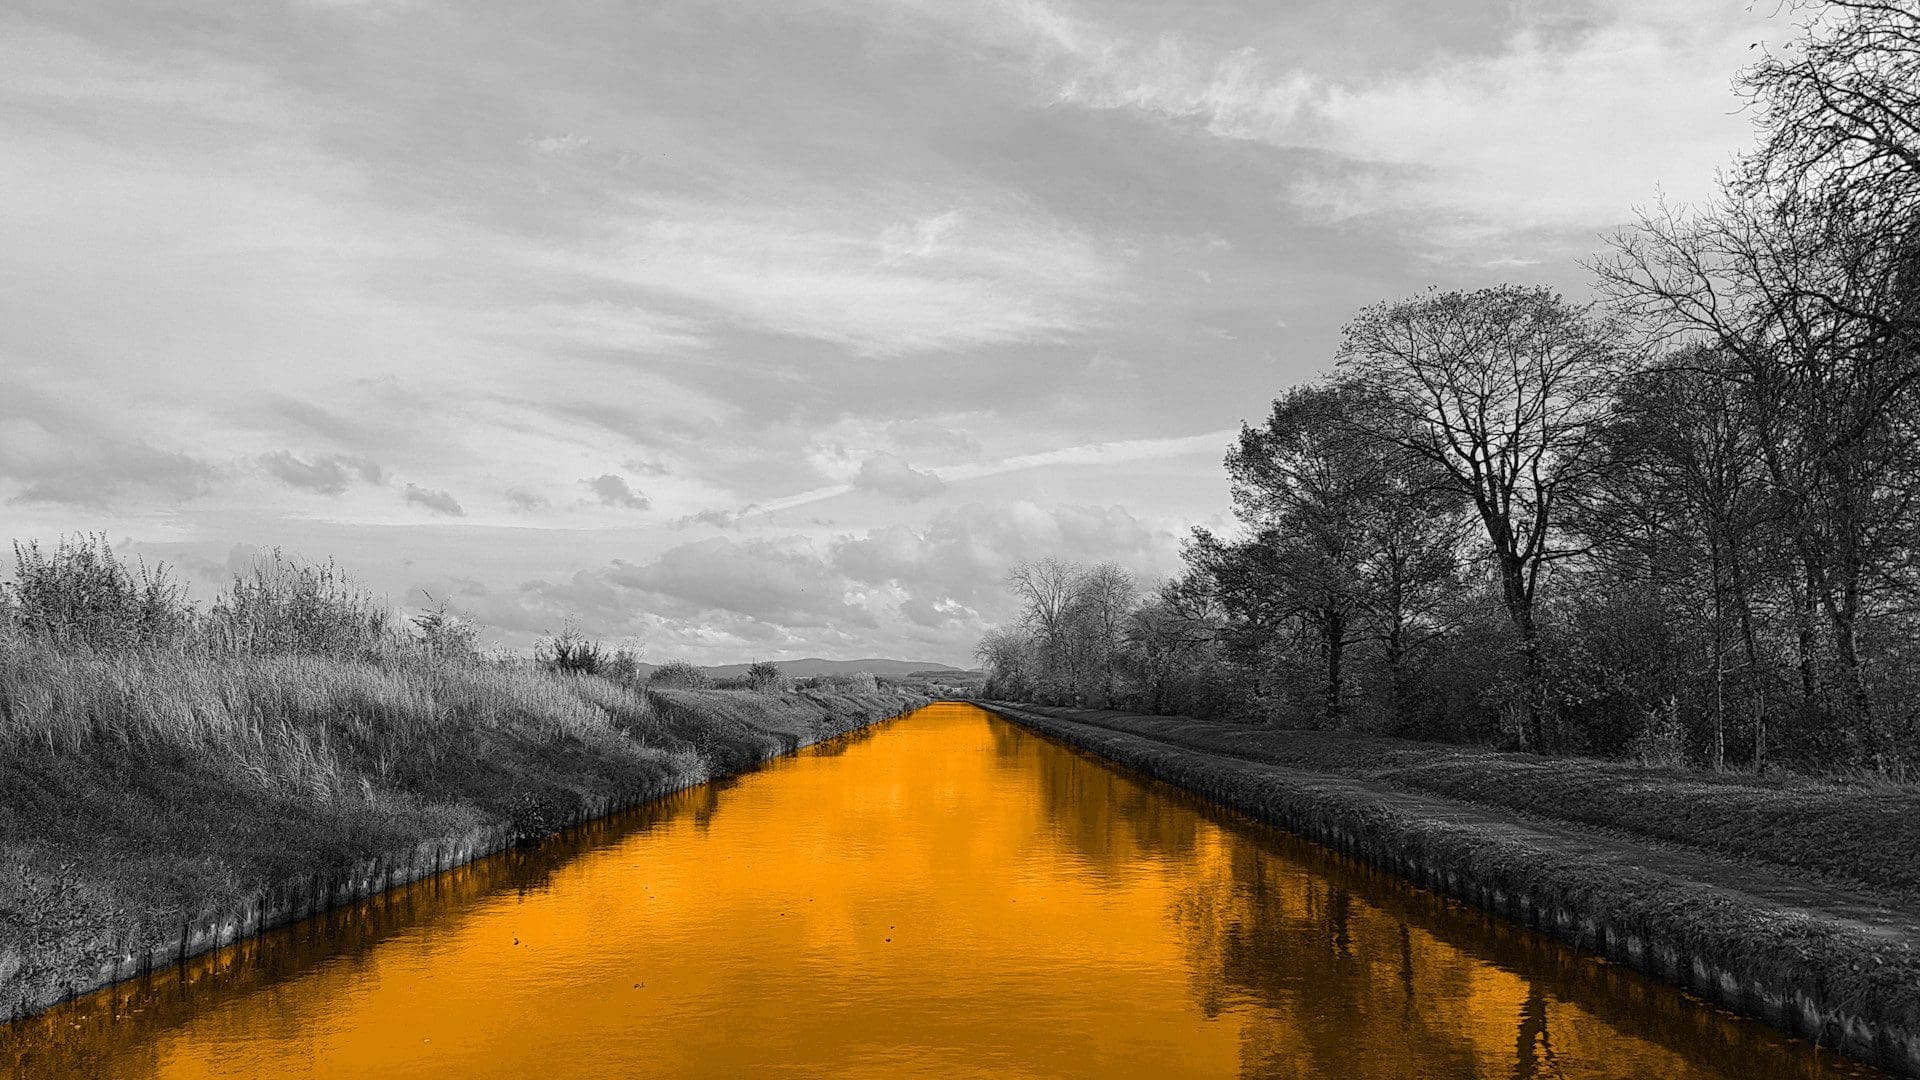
{"x": 1650, "y": 868}
{"x": 1857, "y": 835}
{"x": 156, "y": 804}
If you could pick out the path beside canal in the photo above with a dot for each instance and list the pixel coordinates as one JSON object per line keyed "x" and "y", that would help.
{"x": 1805, "y": 916}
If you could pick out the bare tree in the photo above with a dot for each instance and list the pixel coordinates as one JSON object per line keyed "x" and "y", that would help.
{"x": 1007, "y": 654}
{"x": 1814, "y": 302}
{"x": 1105, "y": 595}
{"x": 1046, "y": 590}
{"x": 1839, "y": 109}
{"x": 1501, "y": 390}
{"x": 1686, "y": 507}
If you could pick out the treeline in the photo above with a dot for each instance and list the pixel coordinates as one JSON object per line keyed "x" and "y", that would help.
{"x": 1677, "y": 522}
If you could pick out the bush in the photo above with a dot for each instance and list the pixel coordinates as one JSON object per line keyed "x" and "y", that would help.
{"x": 571, "y": 651}
{"x": 858, "y": 683}
{"x": 281, "y": 606}
{"x": 768, "y": 678}
{"x": 445, "y": 636}
{"x": 623, "y": 666}
{"x": 82, "y": 594}
{"x": 678, "y": 674}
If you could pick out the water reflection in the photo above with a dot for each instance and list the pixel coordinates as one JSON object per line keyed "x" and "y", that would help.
{"x": 946, "y": 894}
{"x": 1341, "y": 970}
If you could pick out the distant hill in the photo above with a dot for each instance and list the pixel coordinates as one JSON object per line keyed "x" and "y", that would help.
{"x": 814, "y": 665}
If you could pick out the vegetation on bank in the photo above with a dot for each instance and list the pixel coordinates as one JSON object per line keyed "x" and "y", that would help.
{"x": 1678, "y": 524}
{"x": 162, "y": 763}
{"x": 1817, "y": 832}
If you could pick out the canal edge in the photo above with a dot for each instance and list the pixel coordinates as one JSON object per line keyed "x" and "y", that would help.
{"x": 1549, "y": 893}
{"x": 309, "y": 895}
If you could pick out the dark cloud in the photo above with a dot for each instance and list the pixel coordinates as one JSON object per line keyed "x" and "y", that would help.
{"x": 892, "y": 476}
{"x": 613, "y": 491}
{"x": 327, "y": 475}
{"x": 439, "y": 502}
{"x": 64, "y": 457}
{"x": 525, "y": 501}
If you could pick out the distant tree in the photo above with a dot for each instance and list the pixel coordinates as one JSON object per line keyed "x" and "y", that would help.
{"x": 1103, "y": 596}
{"x": 1247, "y": 579}
{"x": 1501, "y": 390}
{"x": 1007, "y": 654}
{"x": 1046, "y": 592}
{"x": 1169, "y": 637}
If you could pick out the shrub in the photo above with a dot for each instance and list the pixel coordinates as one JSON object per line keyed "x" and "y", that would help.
{"x": 623, "y": 666}
{"x": 571, "y": 651}
{"x": 768, "y": 678}
{"x": 82, "y": 594}
{"x": 858, "y": 683}
{"x": 681, "y": 675}
{"x": 282, "y": 606}
{"x": 445, "y": 636}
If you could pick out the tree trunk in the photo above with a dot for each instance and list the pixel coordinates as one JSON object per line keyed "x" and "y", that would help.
{"x": 1334, "y": 626}
{"x": 1717, "y": 753}
{"x": 1396, "y": 673}
{"x": 1519, "y": 600}
{"x": 1754, "y": 684}
{"x": 1531, "y": 705}
{"x": 1803, "y": 615}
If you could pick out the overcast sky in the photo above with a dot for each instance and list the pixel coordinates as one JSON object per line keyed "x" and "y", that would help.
{"x": 756, "y": 329}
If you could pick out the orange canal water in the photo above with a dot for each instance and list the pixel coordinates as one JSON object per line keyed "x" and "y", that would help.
{"x": 943, "y": 895}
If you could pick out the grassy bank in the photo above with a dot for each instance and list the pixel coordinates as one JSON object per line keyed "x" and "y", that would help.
{"x": 156, "y": 802}
{"x": 1857, "y": 835}
{"x": 1762, "y": 938}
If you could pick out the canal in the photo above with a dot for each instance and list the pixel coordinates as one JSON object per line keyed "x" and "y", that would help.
{"x": 945, "y": 894}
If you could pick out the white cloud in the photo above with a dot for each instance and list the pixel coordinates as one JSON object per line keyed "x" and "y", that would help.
{"x": 1575, "y": 117}
{"x": 943, "y": 282}
{"x": 891, "y": 476}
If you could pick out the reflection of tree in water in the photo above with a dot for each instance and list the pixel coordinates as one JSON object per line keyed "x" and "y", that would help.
{"x": 1337, "y": 970}
{"x": 1110, "y": 819}
{"x": 1533, "y": 1046}
{"x": 1322, "y": 980}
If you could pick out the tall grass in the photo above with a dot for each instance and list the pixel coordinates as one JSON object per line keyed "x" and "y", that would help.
{"x": 311, "y": 724}
{"x": 295, "y": 677}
